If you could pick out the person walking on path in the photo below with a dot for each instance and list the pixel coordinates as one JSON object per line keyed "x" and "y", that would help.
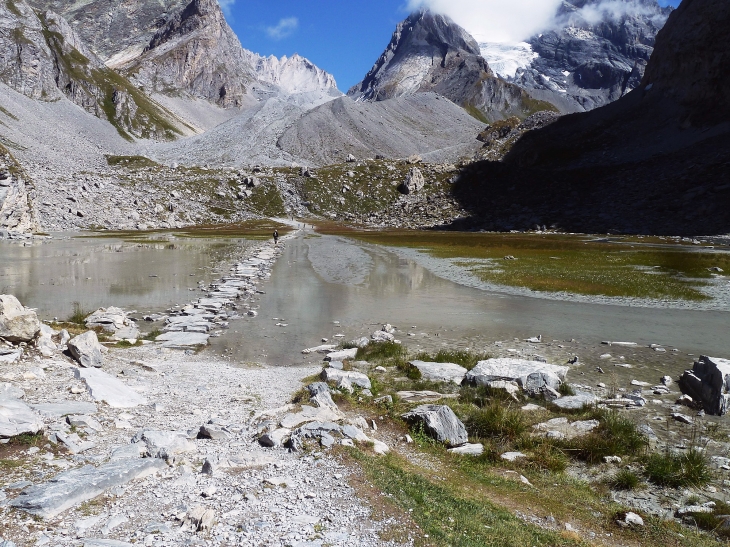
{"x": 276, "y": 237}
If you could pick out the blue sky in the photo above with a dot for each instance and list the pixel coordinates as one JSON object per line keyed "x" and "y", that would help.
{"x": 345, "y": 37}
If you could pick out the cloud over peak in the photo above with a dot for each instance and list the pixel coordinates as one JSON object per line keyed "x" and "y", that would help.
{"x": 285, "y": 27}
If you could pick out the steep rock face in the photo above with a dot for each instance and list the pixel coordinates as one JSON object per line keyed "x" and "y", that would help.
{"x": 597, "y": 53}
{"x": 17, "y": 213}
{"x": 26, "y": 62}
{"x": 195, "y": 52}
{"x": 114, "y": 28}
{"x": 429, "y": 52}
{"x": 293, "y": 74}
{"x": 42, "y": 57}
{"x": 655, "y": 161}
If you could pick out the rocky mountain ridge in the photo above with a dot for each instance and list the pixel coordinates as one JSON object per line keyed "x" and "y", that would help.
{"x": 429, "y": 52}
{"x": 655, "y": 161}
{"x": 596, "y": 53}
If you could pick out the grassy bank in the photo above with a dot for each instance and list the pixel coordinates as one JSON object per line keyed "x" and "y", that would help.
{"x": 566, "y": 263}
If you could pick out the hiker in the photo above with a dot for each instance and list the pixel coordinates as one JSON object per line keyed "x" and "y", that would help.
{"x": 276, "y": 237}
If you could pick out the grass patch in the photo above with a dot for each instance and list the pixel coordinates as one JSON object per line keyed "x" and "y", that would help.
{"x": 717, "y": 522}
{"x": 152, "y": 335}
{"x": 565, "y": 263}
{"x": 128, "y": 344}
{"x": 79, "y": 315}
{"x": 615, "y": 436}
{"x": 625, "y": 479}
{"x": 449, "y": 518}
{"x": 380, "y": 351}
{"x": 130, "y": 161}
{"x": 678, "y": 470}
{"x": 496, "y": 421}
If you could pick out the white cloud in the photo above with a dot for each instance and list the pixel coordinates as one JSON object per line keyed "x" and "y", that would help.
{"x": 284, "y": 28}
{"x": 226, "y": 6}
{"x": 496, "y": 20}
{"x": 615, "y": 10}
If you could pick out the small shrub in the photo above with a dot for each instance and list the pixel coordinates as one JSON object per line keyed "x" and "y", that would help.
{"x": 152, "y": 335}
{"x": 615, "y": 436}
{"x": 79, "y": 315}
{"x": 543, "y": 455}
{"x": 482, "y": 396}
{"x": 496, "y": 421}
{"x": 677, "y": 470}
{"x": 347, "y": 345}
{"x": 566, "y": 390}
{"x": 625, "y": 479}
{"x": 380, "y": 351}
{"x": 717, "y": 521}
{"x": 301, "y": 396}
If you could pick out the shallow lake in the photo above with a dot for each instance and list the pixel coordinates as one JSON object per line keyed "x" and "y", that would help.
{"x": 327, "y": 285}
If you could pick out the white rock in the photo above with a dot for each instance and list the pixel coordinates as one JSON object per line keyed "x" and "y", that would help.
{"x": 513, "y": 456}
{"x": 440, "y": 372}
{"x": 468, "y": 449}
{"x": 104, "y": 387}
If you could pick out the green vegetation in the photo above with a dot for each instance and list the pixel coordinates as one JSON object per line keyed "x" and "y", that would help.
{"x": 716, "y": 521}
{"x": 449, "y": 517}
{"x": 152, "y": 335}
{"x": 8, "y": 113}
{"x": 615, "y": 436}
{"x": 625, "y": 479}
{"x": 677, "y": 470}
{"x": 566, "y": 263}
{"x": 496, "y": 421}
{"x": 13, "y": 8}
{"x": 131, "y": 161}
{"x": 79, "y": 315}
{"x": 381, "y": 351}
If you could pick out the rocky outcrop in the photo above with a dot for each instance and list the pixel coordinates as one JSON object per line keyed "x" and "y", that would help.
{"x": 17, "y": 213}
{"x": 597, "y": 53}
{"x": 196, "y": 52}
{"x": 439, "y": 422}
{"x": 429, "y": 52}
{"x": 46, "y": 60}
{"x": 413, "y": 183}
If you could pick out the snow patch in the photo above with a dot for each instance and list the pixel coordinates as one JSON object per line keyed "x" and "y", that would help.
{"x": 506, "y": 58}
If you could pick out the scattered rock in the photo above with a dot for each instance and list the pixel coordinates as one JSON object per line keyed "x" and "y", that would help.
{"x": 17, "y": 323}
{"x": 576, "y": 402}
{"x": 356, "y": 378}
{"x": 86, "y": 349}
{"x": 440, "y": 422}
{"x": 440, "y": 372}
{"x": 103, "y": 387}
{"x": 513, "y": 456}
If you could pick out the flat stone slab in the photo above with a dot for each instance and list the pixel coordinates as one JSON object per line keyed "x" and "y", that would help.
{"x": 104, "y": 387}
{"x": 106, "y": 543}
{"x": 165, "y": 444}
{"x": 9, "y": 391}
{"x": 440, "y": 372}
{"x": 10, "y": 356}
{"x": 17, "y": 418}
{"x": 336, "y": 376}
{"x": 59, "y": 409}
{"x": 310, "y": 414}
{"x": 576, "y": 402}
{"x": 178, "y": 340}
{"x": 419, "y": 396}
{"x": 342, "y": 355}
{"x": 468, "y": 449}
{"x": 561, "y": 428}
{"x": 76, "y": 486}
{"x": 319, "y": 349}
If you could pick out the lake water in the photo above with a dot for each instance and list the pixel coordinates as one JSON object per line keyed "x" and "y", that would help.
{"x": 323, "y": 286}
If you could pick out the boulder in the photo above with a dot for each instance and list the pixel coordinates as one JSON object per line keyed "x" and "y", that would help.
{"x": 17, "y": 418}
{"x": 275, "y": 438}
{"x": 10, "y": 354}
{"x": 17, "y": 324}
{"x": 78, "y": 485}
{"x": 319, "y": 393}
{"x": 440, "y": 422}
{"x": 440, "y": 372}
{"x": 708, "y": 383}
{"x": 86, "y": 349}
{"x": 534, "y": 377}
{"x": 561, "y": 428}
{"x": 104, "y": 387}
{"x": 413, "y": 183}
{"x": 110, "y": 319}
{"x": 382, "y": 336}
{"x": 356, "y": 378}
{"x": 468, "y": 449}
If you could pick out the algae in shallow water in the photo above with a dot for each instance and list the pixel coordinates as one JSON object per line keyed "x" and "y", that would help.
{"x": 567, "y": 263}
